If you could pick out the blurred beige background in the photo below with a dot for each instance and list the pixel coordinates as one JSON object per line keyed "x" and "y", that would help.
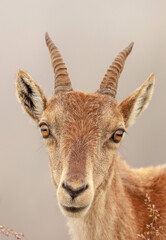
{"x": 89, "y": 34}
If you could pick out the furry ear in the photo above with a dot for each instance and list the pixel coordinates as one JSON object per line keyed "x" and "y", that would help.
{"x": 30, "y": 95}
{"x": 137, "y": 102}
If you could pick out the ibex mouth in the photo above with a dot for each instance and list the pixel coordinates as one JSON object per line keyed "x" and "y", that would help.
{"x": 74, "y": 209}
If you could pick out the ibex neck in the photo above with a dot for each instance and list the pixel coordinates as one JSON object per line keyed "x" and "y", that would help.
{"x": 110, "y": 216}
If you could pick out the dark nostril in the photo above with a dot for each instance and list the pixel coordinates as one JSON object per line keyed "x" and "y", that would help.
{"x": 74, "y": 192}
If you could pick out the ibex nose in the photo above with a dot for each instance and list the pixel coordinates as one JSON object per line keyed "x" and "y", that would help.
{"x": 74, "y": 192}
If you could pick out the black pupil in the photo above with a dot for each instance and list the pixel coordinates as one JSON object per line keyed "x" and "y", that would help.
{"x": 44, "y": 129}
{"x": 119, "y": 134}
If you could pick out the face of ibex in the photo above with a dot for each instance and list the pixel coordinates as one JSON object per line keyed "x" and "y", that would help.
{"x": 82, "y": 132}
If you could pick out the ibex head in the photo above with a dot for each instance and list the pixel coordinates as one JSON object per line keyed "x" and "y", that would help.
{"x": 82, "y": 131}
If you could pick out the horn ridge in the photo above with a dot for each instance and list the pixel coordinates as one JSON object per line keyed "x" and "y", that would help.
{"x": 62, "y": 80}
{"x": 109, "y": 83}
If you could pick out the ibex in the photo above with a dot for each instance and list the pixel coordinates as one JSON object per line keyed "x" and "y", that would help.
{"x": 100, "y": 194}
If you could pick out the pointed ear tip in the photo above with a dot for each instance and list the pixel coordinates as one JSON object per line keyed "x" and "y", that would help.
{"x": 152, "y": 75}
{"x": 151, "y": 78}
{"x": 20, "y": 72}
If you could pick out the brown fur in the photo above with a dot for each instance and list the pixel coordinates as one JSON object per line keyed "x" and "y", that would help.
{"x": 83, "y": 153}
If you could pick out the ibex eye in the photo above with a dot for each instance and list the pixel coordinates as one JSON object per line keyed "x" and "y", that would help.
{"x": 117, "y": 136}
{"x": 45, "y": 130}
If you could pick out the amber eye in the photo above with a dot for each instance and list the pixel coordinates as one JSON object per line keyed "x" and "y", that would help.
{"x": 45, "y": 130}
{"x": 117, "y": 136}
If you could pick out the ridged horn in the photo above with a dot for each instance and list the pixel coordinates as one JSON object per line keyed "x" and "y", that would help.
{"x": 62, "y": 80}
{"x": 109, "y": 83}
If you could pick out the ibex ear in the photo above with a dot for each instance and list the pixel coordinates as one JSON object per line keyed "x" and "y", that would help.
{"x": 137, "y": 102}
{"x": 30, "y": 95}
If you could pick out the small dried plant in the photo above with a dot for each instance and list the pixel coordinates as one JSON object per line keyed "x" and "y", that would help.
{"x": 152, "y": 229}
{"x": 10, "y": 232}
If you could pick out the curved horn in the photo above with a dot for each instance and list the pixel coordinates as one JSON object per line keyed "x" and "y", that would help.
{"x": 62, "y": 80}
{"x": 110, "y": 81}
